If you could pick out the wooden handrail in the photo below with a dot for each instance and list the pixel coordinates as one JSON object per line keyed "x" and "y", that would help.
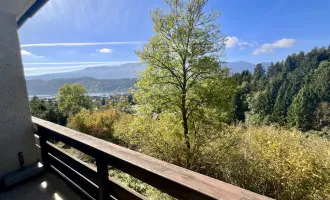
{"x": 176, "y": 181}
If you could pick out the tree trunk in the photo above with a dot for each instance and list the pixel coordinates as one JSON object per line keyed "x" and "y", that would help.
{"x": 185, "y": 120}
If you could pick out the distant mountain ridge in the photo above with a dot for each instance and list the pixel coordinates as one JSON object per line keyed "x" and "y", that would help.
{"x": 48, "y": 87}
{"x": 239, "y": 66}
{"x": 129, "y": 70}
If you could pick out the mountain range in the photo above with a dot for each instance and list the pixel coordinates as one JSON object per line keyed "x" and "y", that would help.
{"x": 103, "y": 79}
{"x": 50, "y": 87}
{"x": 129, "y": 70}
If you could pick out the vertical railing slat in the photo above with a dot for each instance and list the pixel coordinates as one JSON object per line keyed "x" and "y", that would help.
{"x": 44, "y": 152}
{"x": 103, "y": 174}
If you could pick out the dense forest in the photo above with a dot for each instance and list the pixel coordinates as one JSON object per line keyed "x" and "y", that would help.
{"x": 293, "y": 93}
{"x": 265, "y": 131}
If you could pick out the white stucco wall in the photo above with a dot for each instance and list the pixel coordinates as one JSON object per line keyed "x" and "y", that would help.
{"x": 16, "y": 130}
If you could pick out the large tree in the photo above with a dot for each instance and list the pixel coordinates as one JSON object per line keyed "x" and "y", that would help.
{"x": 72, "y": 99}
{"x": 184, "y": 74}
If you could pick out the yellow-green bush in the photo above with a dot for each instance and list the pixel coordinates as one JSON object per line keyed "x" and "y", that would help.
{"x": 99, "y": 124}
{"x": 276, "y": 162}
{"x": 159, "y": 138}
{"x": 281, "y": 163}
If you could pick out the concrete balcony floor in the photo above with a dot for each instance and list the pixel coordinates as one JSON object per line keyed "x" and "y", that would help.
{"x": 46, "y": 186}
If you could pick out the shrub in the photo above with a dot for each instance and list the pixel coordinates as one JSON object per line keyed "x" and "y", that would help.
{"x": 284, "y": 164}
{"x": 98, "y": 124}
{"x": 276, "y": 162}
{"x": 158, "y": 138}
{"x": 270, "y": 160}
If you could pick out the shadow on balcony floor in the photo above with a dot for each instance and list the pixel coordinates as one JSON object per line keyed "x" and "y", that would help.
{"x": 46, "y": 186}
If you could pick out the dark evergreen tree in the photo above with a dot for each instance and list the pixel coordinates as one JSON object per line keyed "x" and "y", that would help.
{"x": 274, "y": 70}
{"x": 295, "y": 92}
{"x": 259, "y": 78}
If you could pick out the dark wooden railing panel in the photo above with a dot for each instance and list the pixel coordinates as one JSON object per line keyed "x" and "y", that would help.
{"x": 103, "y": 174}
{"x": 84, "y": 184}
{"x": 164, "y": 184}
{"x": 123, "y": 193}
{"x": 44, "y": 152}
{"x": 37, "y": 141}
{"x": 114, "y": 188}
{"x": 83, "y": 169}
{"x": 176, "y": 181}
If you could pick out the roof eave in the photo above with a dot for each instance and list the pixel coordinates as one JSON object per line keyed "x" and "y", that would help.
{"x": 31, "y": 11}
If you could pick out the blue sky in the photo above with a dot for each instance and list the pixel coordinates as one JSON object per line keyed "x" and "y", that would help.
{"x": 66, "y": 35}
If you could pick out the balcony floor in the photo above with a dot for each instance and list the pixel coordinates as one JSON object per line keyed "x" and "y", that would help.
{"x": 46, "y": 186}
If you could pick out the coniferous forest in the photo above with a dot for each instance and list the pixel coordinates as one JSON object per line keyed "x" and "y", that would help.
{"x": 292, "y": 93}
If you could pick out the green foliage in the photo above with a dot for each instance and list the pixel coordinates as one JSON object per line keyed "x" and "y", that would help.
{"x": 103, "y": 101}
{"x": 301, "y": 110}
{"x": 276, "y": 162}
{"x": 72, "y": 99}
{"x": 257, "y": 114}
{"x": 279, "y": 163}
{"x": 244, "y": 81}
{"x": 320, "y": 83}
{"x": 282, "y": 103}
{"x": 274, "y": 70}
{"x": 291, "y": 91}
{"x": 46, "y": 110}
{"x": 98, "y": 124}
{"x": 322, "y": 116}
{"x": 259, "y": 76}
{"x": 113, "y": 126}
{"x": 161, "y": 138}
{"x": 123, "y": 105}
{"x": 184, "y": 76}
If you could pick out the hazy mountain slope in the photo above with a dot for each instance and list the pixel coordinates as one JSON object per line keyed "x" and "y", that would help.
{"x": 239, "y": 66}
{"x": 129, "y": 70}
{"x": 44, "y": 87}
{"x": 265, "y": 64}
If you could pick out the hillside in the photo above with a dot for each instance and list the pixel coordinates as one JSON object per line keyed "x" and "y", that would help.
{"x": 129, "y": 70}
{"x": 294, "y": 92}
{"x": 44, "y": 87}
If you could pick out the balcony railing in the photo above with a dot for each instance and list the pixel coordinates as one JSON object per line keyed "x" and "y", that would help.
{"x": 96, "y": 183}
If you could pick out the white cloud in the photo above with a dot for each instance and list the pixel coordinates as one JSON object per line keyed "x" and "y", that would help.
{"x": 242, "y": 44}
{"x": 31, "y": 55}
{"x": 105, "y": 50}
{"x": 24, "y": 52}
{"x": 81, "y": 44}
{"x": 269, "y": 47}
{"x": 232, "y": 41}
